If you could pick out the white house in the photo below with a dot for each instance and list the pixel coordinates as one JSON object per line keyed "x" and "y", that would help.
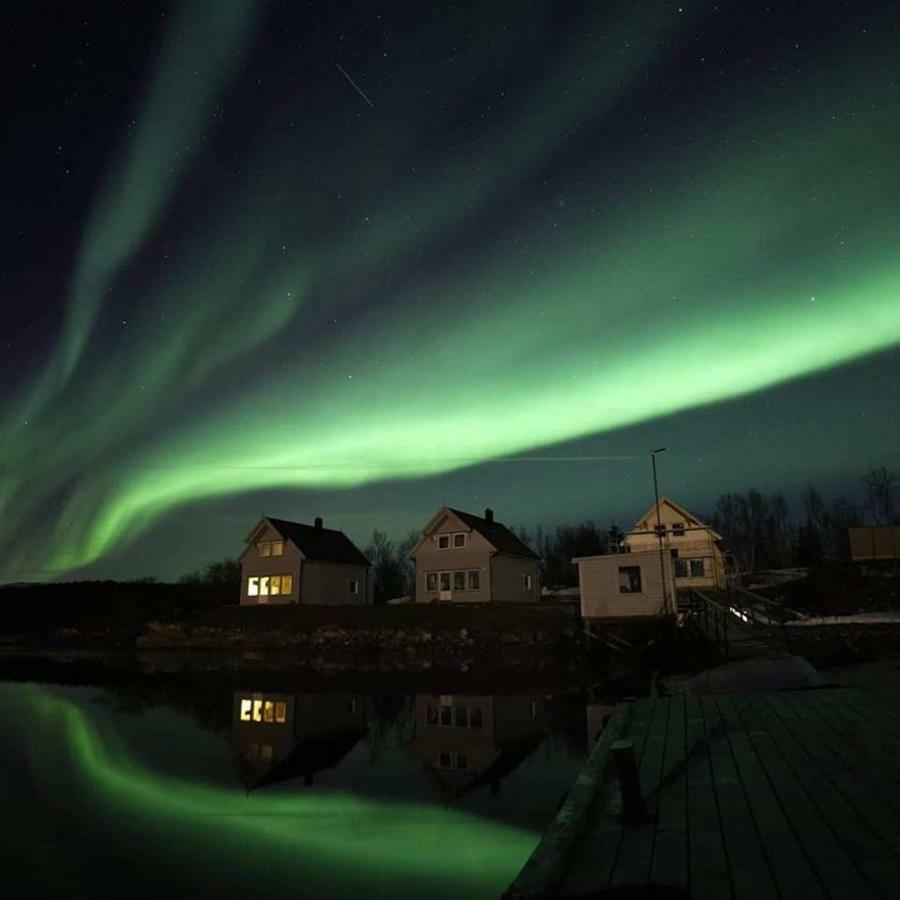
{"x": 626, "y": 585}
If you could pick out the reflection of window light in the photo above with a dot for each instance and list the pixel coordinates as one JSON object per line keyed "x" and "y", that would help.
{"x": 264, "y": 586}
{"x": 246, "y": 707}
{"x": 268, "y": 711}
{"x": 527, "y": 580}
{"x": 277, "y": 548}
{"x": 280, "y": 712}
{"x": 275, "y": 585}
{"x": 287, "y": 584}
{"x": 265, "y": 548}
{"x": 266, "y": 752}
{"x": 257, "y": 710}
{"x": 252, "y": 587}
{"x": 354, "y": 586}
{"x": 534, "y": 709}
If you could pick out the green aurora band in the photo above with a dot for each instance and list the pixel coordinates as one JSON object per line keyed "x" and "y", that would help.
{"x": 767, "y": 262}
{"x": 318, "y": 840}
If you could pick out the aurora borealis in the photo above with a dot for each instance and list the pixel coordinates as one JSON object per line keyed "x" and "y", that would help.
{"x": 553, "y": 231}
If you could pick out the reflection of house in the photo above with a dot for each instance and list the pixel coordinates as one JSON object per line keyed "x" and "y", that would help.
{"x": 598, "y": 716}
{"x": 875, "y": 542}
{"x": 469, "y": 741}
{"x": 278, "y": 737}
{"x": 626, "y": 585}
{"x": 696, "y": 549}
{"x": 467, "y": 558}
{"x": 287, "y": 562}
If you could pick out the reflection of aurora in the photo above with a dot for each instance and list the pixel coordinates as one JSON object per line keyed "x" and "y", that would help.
{"x": 297, "y": 338}
{"x": 327, "y": 843}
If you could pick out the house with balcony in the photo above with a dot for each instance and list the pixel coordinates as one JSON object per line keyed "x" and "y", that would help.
{"x": 289, "y": 562}
{"x": 464, "y": 558}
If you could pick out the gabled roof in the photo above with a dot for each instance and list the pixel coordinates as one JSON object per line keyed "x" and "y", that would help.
{"x": 689, "y": 517}
{"x": 495, "y": 533}
{"x": 316, "y": 542}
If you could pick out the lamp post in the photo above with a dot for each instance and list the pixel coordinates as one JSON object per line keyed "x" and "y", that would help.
{"x": 659, "y": 533}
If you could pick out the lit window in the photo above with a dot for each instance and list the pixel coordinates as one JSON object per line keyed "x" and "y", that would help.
{"x": 527, "y": 580}
{"x": 445, "y": 581}
{"x": 264, "y": 586}
{"x": 697, "y": 568}
{"x": 475, "y": 717}
{"x": 443, "y": 542}
{"x": 257, "y": 710}
{"x": 459, "y": 539}
{"x": 462, "y": 761}
{"x": 277, "y": 548}
{"x": 629, "y": 579}
{"x": 281, "y": 712}
{"x": 459, "y": 581}
{"x": 252, "y": 587}
{"x": 265, "y": 548}
{"x": 246, "y": 710}
{"x": 268, "y": 711}
{"x": 678, "y": 529}
{"x": 474, "y": 579}
{"x": 287, "y": 584}
{"x": 444, "y": 760}
{"x": 431, "y": 581}
{"x": 275, "y": 585}
{"x": 354, "y": 586}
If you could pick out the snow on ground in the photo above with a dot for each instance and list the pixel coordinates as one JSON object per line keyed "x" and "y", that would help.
{"x": 862, "y": 618}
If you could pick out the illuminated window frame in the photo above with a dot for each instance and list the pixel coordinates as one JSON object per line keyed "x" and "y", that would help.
{"x": 253, "y": 586}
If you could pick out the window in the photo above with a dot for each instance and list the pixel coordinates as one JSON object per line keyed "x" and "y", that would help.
{"x": 280, "y": 712}
{"x": 287, "y": 584}
{"x": 246, "y": 710}
{"x": 277, "y": 548}
{"x": 354, "y": 586}
{"x": 431, "y": 581}
{"x": 459, "y": 581}
{"x": 461, "y": 716}
{"x": 696, "y": 568}
{"x": 474, "y": 580}
{"x": 252, "y": 587}
{"x": 264, "y": 586}
{"x": 629, "y": 579}
{"x": 678, "y": 529}
{"x": 443, "y": 542}
{"x": 459, "y": 539}
{"x": 265, "y": 548}
{"x": 275, "y": 585}
{"x": 681, "y": 568}
{"x": 527, "y": 581}
{"x": 660, "y": 530}
{"x": 475, "y": 717}
{"x": 444, "y": 760}
{"x": 462, "y": 761}
{"x": 268, "y": 711}
{"x": 445, "y": 581}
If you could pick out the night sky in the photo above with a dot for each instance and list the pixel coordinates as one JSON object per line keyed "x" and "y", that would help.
{"x": 358, "y": 260}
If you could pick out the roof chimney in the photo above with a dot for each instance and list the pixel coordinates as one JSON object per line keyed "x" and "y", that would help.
{"x": 489, "y": 515}
{"x": 318, "y": 523}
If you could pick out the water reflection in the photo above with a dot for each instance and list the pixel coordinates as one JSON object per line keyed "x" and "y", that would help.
{"x": 280, "y": 737}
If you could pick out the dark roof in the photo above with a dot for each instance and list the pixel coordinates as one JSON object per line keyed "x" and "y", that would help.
{"x": 320, "y": 543}
{"x": 499, "y": 535}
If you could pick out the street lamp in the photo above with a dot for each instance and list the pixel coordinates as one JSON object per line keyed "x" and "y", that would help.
{"x": 659, "y": 532}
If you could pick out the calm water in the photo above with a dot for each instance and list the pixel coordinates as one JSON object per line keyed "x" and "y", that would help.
{"x": 235, "y": 791}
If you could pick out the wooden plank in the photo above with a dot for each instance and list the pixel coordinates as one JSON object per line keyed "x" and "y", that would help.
{"x": 636, "y": 849}
{"x": 838, "y": 878}
{"x": 709, "y": 871}
{"x": 794, "y": 877}
{"x": 751, "y": 874}
{"x": 863, "y": 846}
{"x": 669, "y": 865}
{"x": 848, "y": 770}
{"x": 594, "y": 855}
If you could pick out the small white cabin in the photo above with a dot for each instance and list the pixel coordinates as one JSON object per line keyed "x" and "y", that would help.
{"x": 626, "y": 585}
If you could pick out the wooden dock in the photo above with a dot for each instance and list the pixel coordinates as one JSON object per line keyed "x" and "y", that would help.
{"x": 780, "y": 795}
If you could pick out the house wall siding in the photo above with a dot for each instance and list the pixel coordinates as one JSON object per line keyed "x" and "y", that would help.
{"x": 324, "y": 583}
{"x": 601, "y": 598}
{"x": 508, "y": 579}
{"x": 254, "y": 565}
{"x": 475, "y": 555}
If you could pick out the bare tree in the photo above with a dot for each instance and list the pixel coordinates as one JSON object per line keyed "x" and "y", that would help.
{"x": 880, "y": 486}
